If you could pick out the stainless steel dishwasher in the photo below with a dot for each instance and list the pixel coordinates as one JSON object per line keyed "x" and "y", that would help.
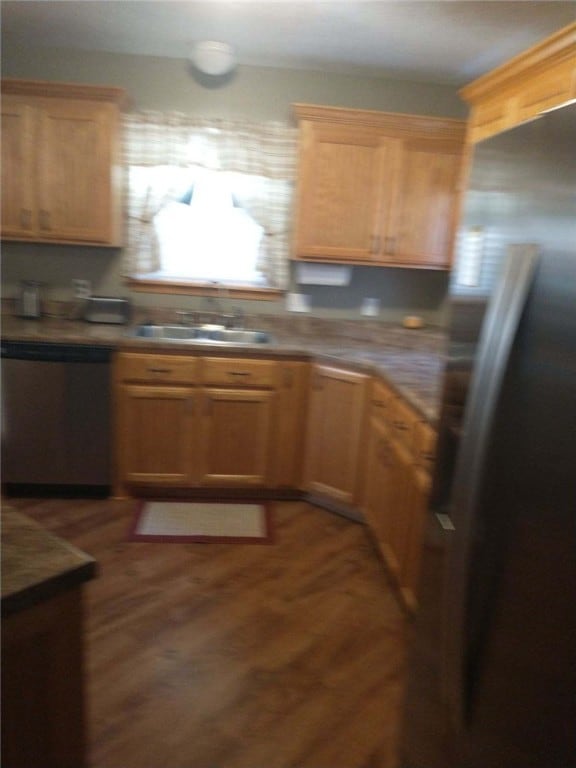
{"x": 55, "y": 417}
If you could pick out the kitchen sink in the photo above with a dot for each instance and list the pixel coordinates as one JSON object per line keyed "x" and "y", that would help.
{"x": 203, "y": 333}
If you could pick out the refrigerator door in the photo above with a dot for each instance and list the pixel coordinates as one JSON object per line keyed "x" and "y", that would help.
{"x": 493, "y": 669}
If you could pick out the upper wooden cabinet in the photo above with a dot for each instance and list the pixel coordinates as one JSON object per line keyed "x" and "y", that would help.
{"x": 539, "y": 79}
{"x": 61, "y": 174}
{"x": 377, "y": 188}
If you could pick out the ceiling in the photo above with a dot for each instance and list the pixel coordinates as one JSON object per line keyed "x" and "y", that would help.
{"x": 446, "y": 42}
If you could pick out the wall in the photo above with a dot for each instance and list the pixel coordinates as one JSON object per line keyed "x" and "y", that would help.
{"x": 257, "y": 93}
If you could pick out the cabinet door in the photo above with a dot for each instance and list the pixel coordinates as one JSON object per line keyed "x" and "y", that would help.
{"x": 342, "y": 191}
{"x": 74, "y": 170}
{"x": 335, "y": 428}
{"x": 157, "y": 435}
{"x": 424, "y": 210}
{"x": 385, "y": 497}
{"x": 236, "y": 437}
{"x": 418, "y": 491}
{"x": 18, "y": 152}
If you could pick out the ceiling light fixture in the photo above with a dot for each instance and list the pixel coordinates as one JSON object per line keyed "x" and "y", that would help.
{"x": 213, "y": 58}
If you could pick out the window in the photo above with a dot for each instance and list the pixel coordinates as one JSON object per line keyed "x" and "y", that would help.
{"x": 208, "y": 201}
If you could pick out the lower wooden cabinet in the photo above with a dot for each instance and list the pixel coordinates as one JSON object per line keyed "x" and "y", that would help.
{"x": 235, "y": 437}
{"x": 174, "y": 429}
{"x": 157, "y": 427}
{"x": 397, "y": 485}
{"x": 43, "y": 685}
{"x": 290, "y": 422}
{"x": 335, "y": 430}
{"x": 217, "y": 422}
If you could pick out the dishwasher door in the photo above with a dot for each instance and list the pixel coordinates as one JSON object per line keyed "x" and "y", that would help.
{"x": 55, "y": 422}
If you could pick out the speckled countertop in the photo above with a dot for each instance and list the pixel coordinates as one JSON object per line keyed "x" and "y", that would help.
{"x": 411, "y": 360}
{"x": 36, "y": 565}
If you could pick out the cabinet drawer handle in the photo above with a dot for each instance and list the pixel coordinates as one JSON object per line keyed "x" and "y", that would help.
{"x": 379, "y": 403}
{"x": 238, "y": 373}
{"x": 159, "y": 370}
{"x": 399, "y": 425}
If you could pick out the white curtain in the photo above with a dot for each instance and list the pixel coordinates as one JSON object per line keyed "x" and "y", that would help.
{"x": 162, "y": 147}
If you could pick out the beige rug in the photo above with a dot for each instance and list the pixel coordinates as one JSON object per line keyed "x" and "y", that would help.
{"x": 198, "y": 521}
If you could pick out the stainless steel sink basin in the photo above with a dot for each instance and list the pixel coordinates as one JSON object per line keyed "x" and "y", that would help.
{"x": 203, "y": 334}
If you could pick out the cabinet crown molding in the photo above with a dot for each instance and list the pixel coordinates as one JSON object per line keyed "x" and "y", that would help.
{"x": 44, "y": 88}
{"x": 553, "y": 50}
{"x": 393, "y": 123}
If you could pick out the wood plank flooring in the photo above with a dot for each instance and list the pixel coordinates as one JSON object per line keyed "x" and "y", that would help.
{"x": 287, "y": 655}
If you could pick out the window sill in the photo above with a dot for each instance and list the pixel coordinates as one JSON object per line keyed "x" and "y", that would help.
{"x": 174, "y": 287}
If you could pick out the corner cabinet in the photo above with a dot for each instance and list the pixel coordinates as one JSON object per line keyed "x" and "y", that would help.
{"x": 335, "y": 433}
{"x": 377, "y": 188}
{"x": 61, "y": 165}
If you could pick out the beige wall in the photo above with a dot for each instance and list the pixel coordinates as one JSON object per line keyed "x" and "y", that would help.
{"x": 257, "y": 93}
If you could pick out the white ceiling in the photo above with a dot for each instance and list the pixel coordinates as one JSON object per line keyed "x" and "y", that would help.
{"x": 447, "y": 41}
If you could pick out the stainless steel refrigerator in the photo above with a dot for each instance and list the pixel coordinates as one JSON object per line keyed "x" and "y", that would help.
{"x": 492, "y": 664}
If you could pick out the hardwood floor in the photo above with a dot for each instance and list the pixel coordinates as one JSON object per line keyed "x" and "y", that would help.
{"x": 287, "y": 655}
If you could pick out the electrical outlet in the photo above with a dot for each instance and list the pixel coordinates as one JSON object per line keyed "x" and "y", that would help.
{"x": 298, "y": 302}
{"x": 370, "y": 307}
{"x": 82, "y": 289}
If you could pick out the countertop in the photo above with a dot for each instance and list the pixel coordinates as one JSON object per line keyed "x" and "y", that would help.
{"x": 36, "y": 565}
{"x": 410, "y": 360}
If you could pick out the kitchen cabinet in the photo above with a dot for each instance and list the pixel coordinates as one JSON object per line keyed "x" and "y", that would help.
{"x": 157, "y": 416}
{"x": 61, "y": 167}
{"x": 158, "y": 424}
{"x": 335, "y": 432}
{"x": 238, "y": 402}
{"x": 539, "y": 79}
{"x": 377, "y": 188}
{"x": 184, "y": 421}
{"x": 400, "y": 455}
{"x": 290, "y": 423}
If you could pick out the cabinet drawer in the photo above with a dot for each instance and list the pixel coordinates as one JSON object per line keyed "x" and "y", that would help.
{"x": 425, "y": 445}
{"x": 238, "y": 372}
{"x": 173, "y": 369}
{"x": 381, "y": 402}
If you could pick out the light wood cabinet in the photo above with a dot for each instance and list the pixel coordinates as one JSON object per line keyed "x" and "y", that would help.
{"x": 61, "y": 171}
{"x": 335, "y": 431}
{"x": 157, "y": 425}
{"x": 377, "y": 188}
{"x": 290, "y": 423}
{"x": 400, "y": 455}
{"x": 184, "y": 421}
{"x": 539, "y": 79}
{"x": 236, "y": 438}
